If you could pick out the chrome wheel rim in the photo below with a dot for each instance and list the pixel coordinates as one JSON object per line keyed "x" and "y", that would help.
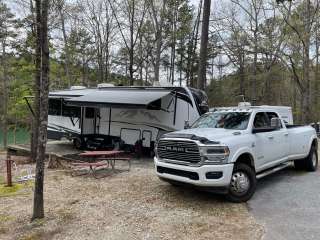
{"x": 240, "y": 183}
{"x": 314, "y": 159}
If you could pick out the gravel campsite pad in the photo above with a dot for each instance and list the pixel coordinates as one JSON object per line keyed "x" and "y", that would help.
{"x": 127, "y": 205}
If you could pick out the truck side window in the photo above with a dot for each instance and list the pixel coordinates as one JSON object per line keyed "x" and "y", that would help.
{"x": 272, "y": 115}
{"x": 261, "y": 120}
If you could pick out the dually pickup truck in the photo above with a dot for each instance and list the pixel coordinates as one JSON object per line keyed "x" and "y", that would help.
{"x": 228, "y": 149}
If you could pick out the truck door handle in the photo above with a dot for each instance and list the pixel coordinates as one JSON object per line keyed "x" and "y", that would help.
{"x": 286, "y": 134}
{"x": 271, "y": 137}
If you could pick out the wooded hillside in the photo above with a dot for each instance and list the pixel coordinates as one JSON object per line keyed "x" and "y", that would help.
{"x": 264, "y": 50}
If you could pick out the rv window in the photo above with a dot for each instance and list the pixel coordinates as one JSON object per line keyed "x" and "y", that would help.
{"x": 89, "y": 112}
{"x": 55, "y": 107}
{"x": 71, "y": 111}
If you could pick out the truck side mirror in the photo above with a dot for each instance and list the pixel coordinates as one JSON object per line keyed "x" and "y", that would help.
{"x": 204, "y": 107}
{"x": 276, "y": 123}
{"x": 186, "y": 124}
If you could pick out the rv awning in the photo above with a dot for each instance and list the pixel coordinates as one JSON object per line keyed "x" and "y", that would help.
{"x": 133, "y": 98}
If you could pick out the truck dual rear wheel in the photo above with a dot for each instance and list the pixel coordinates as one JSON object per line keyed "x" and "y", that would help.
{"x": 243, "y": 183}
{"x": 310, "y": 163}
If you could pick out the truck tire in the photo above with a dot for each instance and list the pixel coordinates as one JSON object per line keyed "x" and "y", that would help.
{"x": 310, "y": 163}
{"x": 243, "y": 183}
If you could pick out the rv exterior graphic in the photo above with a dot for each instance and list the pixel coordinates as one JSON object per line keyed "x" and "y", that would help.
{"x": 122, "y": 116}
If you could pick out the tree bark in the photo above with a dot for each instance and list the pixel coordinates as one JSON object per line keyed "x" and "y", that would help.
{"x": 201, "y": 83}
{"x": 65, "y": 40}
{"x": 255, "y": 55}
{"x": 306, "y": 93}
{"x": 5, "y": 95}
{"x": 159, "y": 27}
{"x": 42, "y": 60}
{"x": 316, "y": 75}
{"x": 242, "y": 73}
{"x": 173, "y": 45}
{"x": 131, "y": 52}
{"x": 193, "y": 82}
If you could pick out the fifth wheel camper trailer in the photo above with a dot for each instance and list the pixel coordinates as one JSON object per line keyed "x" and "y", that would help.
{"x": 109, "y": 117}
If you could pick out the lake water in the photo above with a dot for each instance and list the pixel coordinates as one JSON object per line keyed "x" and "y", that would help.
{"x": 22, "y": 136}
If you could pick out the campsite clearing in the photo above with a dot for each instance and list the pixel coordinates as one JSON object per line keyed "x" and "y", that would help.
{"x": 127, "y": 205}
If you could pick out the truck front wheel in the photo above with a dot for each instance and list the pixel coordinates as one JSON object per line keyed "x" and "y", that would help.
{"x": 243, "y": 183}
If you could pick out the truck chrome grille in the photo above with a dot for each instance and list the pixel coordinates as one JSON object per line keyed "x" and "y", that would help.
{"x": 181, "y": 151}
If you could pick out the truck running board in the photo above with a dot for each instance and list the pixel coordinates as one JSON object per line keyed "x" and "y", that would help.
{"x": 273, "y": 170}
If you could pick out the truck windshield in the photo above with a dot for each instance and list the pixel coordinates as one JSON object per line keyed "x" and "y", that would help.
{"x": 226, "y": 120}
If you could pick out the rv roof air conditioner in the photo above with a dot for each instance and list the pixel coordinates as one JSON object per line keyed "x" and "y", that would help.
{"x": 104, "y": 85}
{"x": 77, "y": 87}
{"x": 244, "y": 104}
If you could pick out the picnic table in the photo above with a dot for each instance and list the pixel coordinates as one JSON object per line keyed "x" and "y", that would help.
{"x": 100, "y": 159}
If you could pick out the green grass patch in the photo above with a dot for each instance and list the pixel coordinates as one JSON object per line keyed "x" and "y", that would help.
{"x": 2, "y": 179}
{"x": 5, "y": 218}
{"x": 32, "y": 236}
{"x": 7, "y": 191}
{"x": 15, "y": 189}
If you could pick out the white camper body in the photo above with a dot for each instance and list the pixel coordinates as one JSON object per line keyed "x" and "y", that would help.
{"x": 285, "y": 112}
{"x": 65, "y": 121}
{"x": 111, "y": 116}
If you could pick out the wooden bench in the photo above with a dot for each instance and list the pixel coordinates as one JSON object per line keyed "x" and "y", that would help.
{"x": 93, "y": 167}
{"x": 112, "y": 161}
{"x": 104, "y": 158}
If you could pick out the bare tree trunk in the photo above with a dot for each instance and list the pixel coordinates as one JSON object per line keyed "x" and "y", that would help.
{"x": 181, "y": 63}
{"x": 172, "y": 64}
{"x": 107, "y": 56}
{"x": 173, "y": 44}
{"x": 255, "y": 55}
{"x": 242, "y": 75}
{"x": 316, "y": 76}
{"x": 43, "y": 62}
{"x": 65, "y": 40}
{"x": 306, "y": 93}
{"x": 192, "y": 81}
{"x": 201, "y": 83}
{"x": 5, "y": 95}
{"x": 35, "y": 10}
{"x": 159, "y": 27}
{"x": 131, "y": 52}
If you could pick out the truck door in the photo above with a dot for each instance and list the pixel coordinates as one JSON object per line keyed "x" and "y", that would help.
{"x": 280, "y": 140}
{"x": 262, "y": 142}
{"x": 270, "y": 147}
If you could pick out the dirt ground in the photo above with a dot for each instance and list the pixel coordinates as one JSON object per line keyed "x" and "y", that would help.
{"x": 126, "y": 205}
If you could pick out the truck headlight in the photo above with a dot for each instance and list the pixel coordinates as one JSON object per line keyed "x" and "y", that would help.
{"x": 215, "y": 154}
{"x": 156, "y": 150}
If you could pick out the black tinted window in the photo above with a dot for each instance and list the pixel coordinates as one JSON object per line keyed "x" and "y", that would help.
{"x": 89, "y": 112}
{"x": 261, "y": 120}
{"x": 272, "y": 115}
{"x": 71, "y": 111}
{"x": 226, "y": 120}
{"x": 55, "y": 107}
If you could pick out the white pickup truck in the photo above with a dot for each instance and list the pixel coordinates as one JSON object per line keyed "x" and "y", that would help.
{"x": 228, "y": 149}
